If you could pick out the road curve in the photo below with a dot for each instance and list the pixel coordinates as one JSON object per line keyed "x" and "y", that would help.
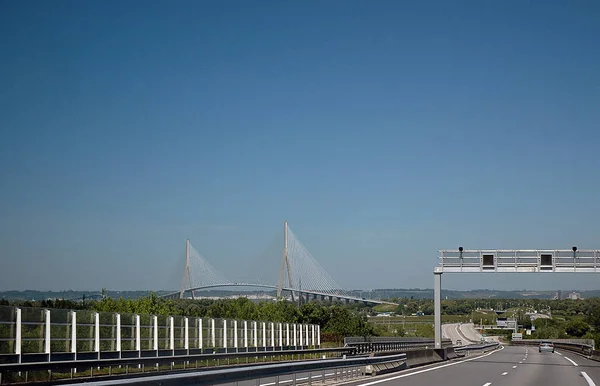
{"x": 465, "y": 332}
{"x": 509, "y": 366}
{"x": 468, "y": 330}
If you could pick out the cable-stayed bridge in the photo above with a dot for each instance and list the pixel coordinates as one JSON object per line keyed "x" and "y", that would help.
{"x": 300, "y": 275}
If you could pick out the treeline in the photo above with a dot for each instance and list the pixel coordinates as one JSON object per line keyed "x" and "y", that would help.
{"x": 569, "y": 318}
{"x": 335, "y": 320}
{"x": 467, "y": 306}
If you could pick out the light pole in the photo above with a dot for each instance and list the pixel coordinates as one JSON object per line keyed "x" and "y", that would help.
{"x": 437, "y": 306}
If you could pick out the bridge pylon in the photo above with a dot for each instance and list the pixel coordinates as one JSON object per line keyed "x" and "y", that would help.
{"x": 285, "y": 264}
{"x": 186, "y": 272}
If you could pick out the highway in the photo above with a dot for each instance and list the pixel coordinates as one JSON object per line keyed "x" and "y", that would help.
{"x": 508, "y": 366}
{"x": 463, "y": 331}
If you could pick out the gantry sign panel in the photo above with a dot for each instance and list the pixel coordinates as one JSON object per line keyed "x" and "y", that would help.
{"x": 520, "y": 260}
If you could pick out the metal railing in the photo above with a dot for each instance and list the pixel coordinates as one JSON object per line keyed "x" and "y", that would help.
{"x": 524, "y": 260}
{"x": 482, "y": 347}
{"x": 314, "y": 370}
{"x": 37, "y": 334}
{"x": 83, "y": 369}
{"x": 382, "y": 344}
{"x": 584, "y": 342}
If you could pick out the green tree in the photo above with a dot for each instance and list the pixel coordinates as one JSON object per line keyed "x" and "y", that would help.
{"x": 525, "y": 321}
{"x": 428, "y": 308}
{"x": 547, "y": 333}
{"x": 411, "y": 308}
{"x": 399, "y": 310}
{"x": 577, "y": 328}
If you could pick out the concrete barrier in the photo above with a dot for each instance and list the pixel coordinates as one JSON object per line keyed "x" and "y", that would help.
{"x": 422, "y": 357}
{"x": 383, "y": 368}
{"x": 416, "y": 358}
{"x": 450, "y": 353}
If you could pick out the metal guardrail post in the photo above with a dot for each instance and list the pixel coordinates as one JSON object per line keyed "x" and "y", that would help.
{"x": 264, "y": 336}
{"x": 171, "y": 333}
{"x": 213, "y": 333}
{"x": 118, "y": 319}
{"x": 155, "y": 333}
{"x": 287, "y": 334}
{"x": 235, "y": 334}
{"x": 74, "y": 333}
{"x": 295, "y": 336}
{"x": 313, "y": 335}
{"x": 280, "y": 335}
{"x": 47, "y": 337}
{"x": 245, "y": 334}
{"x": 306, "y": 337}
{"x": 200, "y": 337}
{"x": 225, "y": 333}
{"x": 272, "y": 334}
{"x": 318, "y": 335}
{"x": 186, "y": 335}
{"x": 138, "y": 337}
{"x": 18, "y": 333}
{"x": 255, "y": 334}
{"x": 97, "y": 333}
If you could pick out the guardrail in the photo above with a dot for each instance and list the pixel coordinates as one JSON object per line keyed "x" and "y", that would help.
{"x": 85, "y": 369}
{"x": 382, "y": 344}
{"x": 492, "y": 327}
{"x": 579, "y": 348}
{"x": 384, "y": 339}
{"x": 218, "y": 376}
{"x": 38, "y": 334}
{"x": 351, "y": 368}
{"x": 482, "y": 347}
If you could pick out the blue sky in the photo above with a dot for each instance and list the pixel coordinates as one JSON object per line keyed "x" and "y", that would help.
{"x": 382, "y": 131}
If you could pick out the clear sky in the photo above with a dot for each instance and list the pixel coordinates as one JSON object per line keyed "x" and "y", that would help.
{"x": 381, "y": 130}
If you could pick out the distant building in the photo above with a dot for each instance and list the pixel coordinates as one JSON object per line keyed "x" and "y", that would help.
{"x": 575, "y": 296}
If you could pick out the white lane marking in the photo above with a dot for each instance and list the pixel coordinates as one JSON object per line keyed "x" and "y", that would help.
{"x": 570, "y": 360}
{"x": 587, "y": 378}
{"x": 489, "y": 383}
{"x": 515, "y": 366}
{"x": 429, "y": 369}
{"x": 556, "y": 352}
{"x": 521, "y": 362}
{"x": 504, "y": 373}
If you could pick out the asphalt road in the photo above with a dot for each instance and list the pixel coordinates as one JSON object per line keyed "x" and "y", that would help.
{"x": 509, "y": 366}
{"x": 465, "y": 332}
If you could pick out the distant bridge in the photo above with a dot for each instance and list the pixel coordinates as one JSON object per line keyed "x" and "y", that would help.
{"x": 300, "y": 275}
{"x": 307, "y": 293}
